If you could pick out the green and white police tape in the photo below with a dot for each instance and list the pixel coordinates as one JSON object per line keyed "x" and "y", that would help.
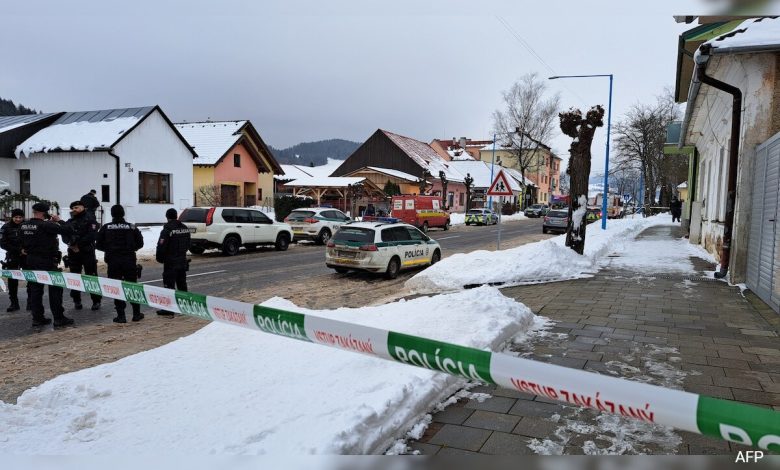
{"x": 729, "y": 420}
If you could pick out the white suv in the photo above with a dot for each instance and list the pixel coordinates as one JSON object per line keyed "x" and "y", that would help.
{"x": 228, "y": 228}
{"x": 316, "y": 223}
{"x": 386, "y": 247}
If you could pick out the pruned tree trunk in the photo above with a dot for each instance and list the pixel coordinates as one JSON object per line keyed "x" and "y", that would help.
{"x": 581, "y": 130}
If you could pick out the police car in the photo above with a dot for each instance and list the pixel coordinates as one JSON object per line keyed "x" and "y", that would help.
{"x": 382, "y": 246}
{"x": 481, "y": 217}
{"x": 316, "y": 223}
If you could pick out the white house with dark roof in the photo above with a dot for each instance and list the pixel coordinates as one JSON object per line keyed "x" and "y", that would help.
{"x": 133, "y": 156}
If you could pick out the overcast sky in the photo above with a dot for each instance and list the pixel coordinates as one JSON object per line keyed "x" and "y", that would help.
{"x": 311, "y": 70}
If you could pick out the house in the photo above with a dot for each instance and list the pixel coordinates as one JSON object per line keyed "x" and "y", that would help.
{"x": 233, "y": 166}
{"x": 544, "y": 171}
{"x": 131, "y": 156}
{"x": 291, "y": 173}
{"x": 733, "y": 120}
{"x": 389, "y": 151}
{"x": 447, "y": 149}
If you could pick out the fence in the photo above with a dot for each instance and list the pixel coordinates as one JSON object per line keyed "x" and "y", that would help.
{"x": 24, "y": 202}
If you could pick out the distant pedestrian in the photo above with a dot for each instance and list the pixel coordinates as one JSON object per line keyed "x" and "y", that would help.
{"x": 120, "y": 240}
{"x": 172, "y": 253}
{"x": 676, "y": 207}
{"x": 11, "y": 242}
{"x": 91, "y": 203}
{"x": 81, "y": 249}
{"x": 39, "y": 242}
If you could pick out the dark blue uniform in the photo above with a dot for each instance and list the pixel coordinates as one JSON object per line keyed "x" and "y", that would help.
{"x": 120, "y": 240}
{"x": 81, "y": 252}
{"x": 11, "y": 242}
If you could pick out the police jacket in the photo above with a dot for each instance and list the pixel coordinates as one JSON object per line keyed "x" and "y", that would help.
{"x": 173, "y": 244}
{"x": 39, "y": 237}
{"x": 90, "y": 202}
{"x": 11, "y": 239}
{"x": 119, "y": 239}
{"x": 85, "y": 229}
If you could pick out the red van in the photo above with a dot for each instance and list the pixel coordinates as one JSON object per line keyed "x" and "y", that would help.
{"x": 423, "y": 212}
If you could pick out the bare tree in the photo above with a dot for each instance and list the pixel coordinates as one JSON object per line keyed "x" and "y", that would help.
{"x": 444, "y": 183}
{"x": 639, "y": 145}
{"x": 581, "y": 130}
{"x": 209, "y": 195}
{"x": 423, "y": 182}
{"x": 527, "y": 121}
{"x": 468, "y": 182}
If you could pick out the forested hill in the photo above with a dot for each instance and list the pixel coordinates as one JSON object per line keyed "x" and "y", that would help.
{"x": 315, "y": 153}
{"x": 8, "y": 108}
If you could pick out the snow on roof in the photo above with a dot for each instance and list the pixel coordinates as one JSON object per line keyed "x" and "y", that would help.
{"x": 210, "y": 140}
{"x": 396, "y": 173}
{"x": 424, "y": 155}
{"x": 293, "y": 172}
{"x": 683, "y": 185}
{"x": 84, "y": 131}
{"x": 325, "y": 182}
{"x": 480, "y": 171}
{"x": 518, "y": 176}
{"x": 459, "y": 154}
{"x": 751, "y": 33}
{"x": 12, "y": 122}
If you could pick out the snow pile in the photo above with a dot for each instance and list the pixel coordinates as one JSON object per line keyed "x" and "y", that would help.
{"x": 79, "y": 135}
{"x": 227, "y": 390}
{"x": 546, "y": 260}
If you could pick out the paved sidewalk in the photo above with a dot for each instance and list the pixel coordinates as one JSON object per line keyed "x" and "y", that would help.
{"x": 684, "y": 332}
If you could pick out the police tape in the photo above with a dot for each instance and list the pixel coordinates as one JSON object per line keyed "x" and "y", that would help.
{"x": 729, "y": 420}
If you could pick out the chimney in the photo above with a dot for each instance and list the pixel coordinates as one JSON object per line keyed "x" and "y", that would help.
{"x": 463, "y": 142}
{"x": 454, "y": 141}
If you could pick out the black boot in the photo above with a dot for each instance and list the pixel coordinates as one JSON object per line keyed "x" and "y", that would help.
{"x": 77, "y": 305}
{"x": 42, "y": 321}
{"x": 14, "y": 306}
{"x": 138, "y": 316}
{"x": 120, "y": 318}
{"x": 95, "y": 306}
{"x": 63, "y": 321}
{"x": 165, "y": 313}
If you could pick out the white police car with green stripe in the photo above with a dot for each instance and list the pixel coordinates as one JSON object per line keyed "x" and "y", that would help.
{"x": 316, "y": 223}
{"x": 384, "y": 246}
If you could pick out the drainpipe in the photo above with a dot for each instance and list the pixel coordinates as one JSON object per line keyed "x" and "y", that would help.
{"x": 118, "y": 183}
{"x": 736, "y": 122}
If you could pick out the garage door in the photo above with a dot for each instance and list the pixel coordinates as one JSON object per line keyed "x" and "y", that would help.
{"x": 763, "y": 274}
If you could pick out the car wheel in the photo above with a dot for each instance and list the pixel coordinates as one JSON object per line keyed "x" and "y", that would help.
{"x": 436, "y": 257}
{"x": 544, "y": 230}
{"x": 447, "y": 225}
{"x": 282, "y": 241}
{"x": 323, "y": 237}
{"x": 341, "y": 270}
{"x": 393, "y": 268}
{"x": 468, "y": 223}
{"x": 425, "y": 227}
{"x": 197, "y": 250}
{"x": 231, "y": 245}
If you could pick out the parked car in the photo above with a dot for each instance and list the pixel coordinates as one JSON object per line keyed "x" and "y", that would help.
{"x": 536, "y": 210}
{"x": 481, "y": 217}
{"x": 229, "y": 228}
{"x": 556, "y": 221}
{"x": 423, "y": 212}
{"x": 380, "y": 247}
{"x": 316, "y": 223}
{"x": 592, "y": 214}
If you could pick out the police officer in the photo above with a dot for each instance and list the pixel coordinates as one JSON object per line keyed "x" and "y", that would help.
{"x": 81, "y": 249}
{"x": 120, "y": 240}
{"x": 11, "y": 242}
{"x": 90, "y": 202}
{"x": 39, "y": 242}
{"x": 172, "y": 253}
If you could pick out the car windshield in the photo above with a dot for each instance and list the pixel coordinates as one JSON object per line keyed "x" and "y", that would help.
{"x": 300, "y": 215}
{"x": 194, "y": 214}
{"x": 561, "y": 214}
{"x": 475, "y": 212}
{"x": 536, "y": 206}
{"x": 354, "y": 234}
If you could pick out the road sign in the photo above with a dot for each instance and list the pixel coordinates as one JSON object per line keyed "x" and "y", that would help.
{"x": 500, "y": 186}
{"x": 626, "y": 197}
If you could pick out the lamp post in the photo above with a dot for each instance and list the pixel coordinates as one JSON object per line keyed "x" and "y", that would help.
{"x": 606, "y": 158}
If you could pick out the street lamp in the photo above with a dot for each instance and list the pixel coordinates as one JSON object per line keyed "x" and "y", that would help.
{"x": 606, "y": 158}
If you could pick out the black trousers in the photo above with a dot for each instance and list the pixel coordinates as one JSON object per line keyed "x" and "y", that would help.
{"x": 82, "y": 260}
{"x": 123, "y": 268}
{"x": 174, "y": 278}
{"x": 13, "y": 262}
{"x": 35, "y": 290}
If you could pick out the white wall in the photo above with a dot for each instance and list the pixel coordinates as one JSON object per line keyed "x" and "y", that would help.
{"x": 154, "y": 147}
{"x": 710, "y": 131}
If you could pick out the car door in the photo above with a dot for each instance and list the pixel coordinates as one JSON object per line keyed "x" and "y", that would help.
{"x": 417, "y": 252}
{"x": 263, "y": 227}
{"x": 243, "y": 225}
{"x": 332, "y": 220}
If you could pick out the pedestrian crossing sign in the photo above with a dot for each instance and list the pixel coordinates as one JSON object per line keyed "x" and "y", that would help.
{"x": 500, "y": 186}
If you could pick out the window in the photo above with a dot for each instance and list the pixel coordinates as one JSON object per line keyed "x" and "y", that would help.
{"x": 241, "y": 216}
{"x": 154, "y": 188}
{"x": 260, "y": 218}
{"x": 461, "y": 199}
{"x": 105, "y": 193}
{"x": 415, "y": 234}
{"x": 24, "y": 182}
{"x": 237, "y": 160}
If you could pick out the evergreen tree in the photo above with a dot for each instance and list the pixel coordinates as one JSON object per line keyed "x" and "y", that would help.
{"x": 8, "y": 108}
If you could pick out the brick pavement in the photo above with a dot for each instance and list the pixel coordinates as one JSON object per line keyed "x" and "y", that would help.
{"x": 673, "y": 330}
